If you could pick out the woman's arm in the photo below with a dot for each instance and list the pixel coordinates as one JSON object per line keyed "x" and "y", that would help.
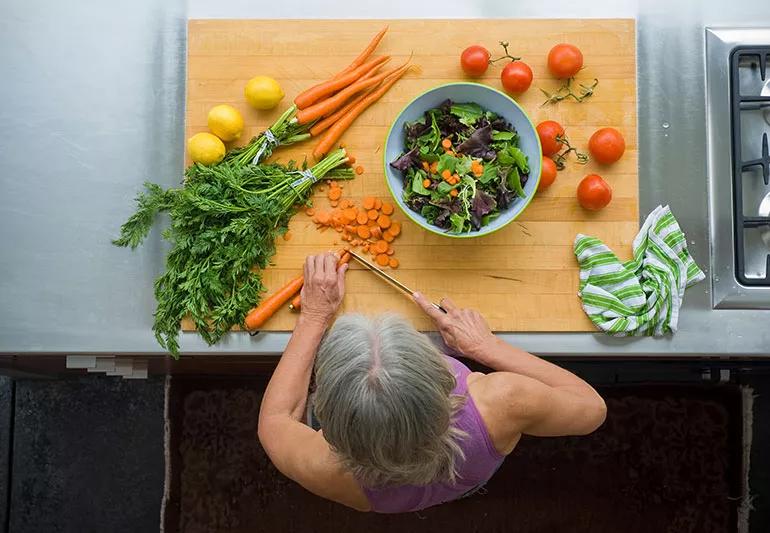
{"x": 299, "y": 452}
{"x": 530, "y": 394}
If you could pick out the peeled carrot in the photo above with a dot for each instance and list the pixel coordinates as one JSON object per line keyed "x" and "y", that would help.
{"x": 335, "y": 132}
{"x": 381, "y": 247}
{"x": 393, "y": 262}
{"x": 387, "y": 236}
{"x": 326, "y": 122}
{"x": 369, "y": 202}
{"x": 260, "y": 314}
{"x": 296, "y": 303}
{"x": 372, "y": 214}
{"x": 362, "y": 218}
{"x": 331, "y": 104}
{"x": 382, "y": 259}
{"x": 395, "y": 228}
{"x": 387, "y": 209}
{"x": 334, "y": 193}
{"x": 322, "y": 90}
{"x": 377, "y": 203}
{"x": 363, "y": 232}
{"x": 365, "y": 53}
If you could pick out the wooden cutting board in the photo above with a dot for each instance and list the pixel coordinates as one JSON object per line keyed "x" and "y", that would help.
{"x": 522, "y": 278}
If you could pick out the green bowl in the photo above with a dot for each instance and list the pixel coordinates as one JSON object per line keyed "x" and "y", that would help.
{"x": 490, "y": 99}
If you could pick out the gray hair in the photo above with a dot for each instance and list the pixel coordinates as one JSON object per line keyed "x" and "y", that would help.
{"x": 384, "y": 401}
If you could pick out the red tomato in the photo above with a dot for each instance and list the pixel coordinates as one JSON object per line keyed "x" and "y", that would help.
{"x": 593, "y": 192}
{"x": 607, "y": 145}
{"x": 548, "y": 132}
{"x": 516, "y": 77}
{"x": 475, "y": 60}
{"x": 547, "y": 174}
{"x": 565, "y": 60}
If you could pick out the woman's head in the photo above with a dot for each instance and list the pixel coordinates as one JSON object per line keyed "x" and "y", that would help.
{"x": 383, "y": 398}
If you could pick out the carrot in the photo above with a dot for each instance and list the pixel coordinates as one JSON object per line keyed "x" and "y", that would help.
{"x": 363, "y": 232}
{"x": 368, "y": 202}
{"x": 296, "y": 303}
{"x": 365, "y": 53}
{"x": 324, "y": 218}
{"x": 362, "y": 218}
{"x": 351, "y": 159}
{"x": 395, "y": 228}
{"x": 391, "y": 250}
{"x": 333, "y": 134}
{"x": 359, "y": 170}
{"x": 310, "y": 211}
{"x": 453, "y": 192}
{"x": 387, "y": 236}
{"x": 446, "y": 174}
{"x": 260, "y": 314}
{"x": 345, "y": 203}
{"x": 349, "y": 215}
{"x": 377, "y": 204}
{"x": 287, "y": 236}
{"x": 331, "y": 104}
{"x": 326, "y": 122}
{"x": 381, "y": 247}
{"x": 434, "y": 167}
{"x": 387, "y": 209}
{"x": 384, "y": 221}
{"x": 426, "y": 166}
{"x": 372, "y": 214}
{"x": 350, "y": 229}
{"x": 334, "y": 193}
{"x": 393, "y": 262}
{"x": 376, "y": 232}
{"x": 322, "y": 90}
{"x": 382, "y": 259}
{"x": 446, "y": 143}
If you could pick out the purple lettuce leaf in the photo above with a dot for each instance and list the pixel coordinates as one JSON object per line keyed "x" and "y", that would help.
{"x": 478, "y": 144}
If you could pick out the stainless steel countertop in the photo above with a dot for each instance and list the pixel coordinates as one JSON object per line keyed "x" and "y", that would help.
{"x": 92, "y": 104}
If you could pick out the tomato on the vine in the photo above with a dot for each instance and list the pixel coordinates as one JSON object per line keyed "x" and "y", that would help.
{"x": 547, "y": 173}
{"x": 607, "y": 145}
{"x": 594, "y": 193}
{"x": 475, "y": 60}
{"x": 549, "y": 132}
{"x": 516, "y": 77}
{"x": 565, "y": 60}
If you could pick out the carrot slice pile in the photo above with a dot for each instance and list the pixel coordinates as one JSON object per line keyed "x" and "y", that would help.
{"x": 367, "y": 226}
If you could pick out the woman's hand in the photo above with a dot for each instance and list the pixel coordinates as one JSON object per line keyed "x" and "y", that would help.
{"x": 324, "y": 287}
{"x": 463, "y": 330}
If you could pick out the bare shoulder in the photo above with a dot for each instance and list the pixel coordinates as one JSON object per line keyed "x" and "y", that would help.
{"x": 505, "y": 402}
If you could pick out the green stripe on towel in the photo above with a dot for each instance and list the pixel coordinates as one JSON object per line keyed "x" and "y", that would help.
{"x": 641, "y": 296}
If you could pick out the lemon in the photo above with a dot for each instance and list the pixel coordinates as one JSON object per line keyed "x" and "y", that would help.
{"x": 205, "y": 148}
{"x": 263, "y": 92}
{"x": 225, "y": 122}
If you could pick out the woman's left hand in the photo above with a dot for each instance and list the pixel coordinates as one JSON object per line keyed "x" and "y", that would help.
{"x": 324, "y": 286}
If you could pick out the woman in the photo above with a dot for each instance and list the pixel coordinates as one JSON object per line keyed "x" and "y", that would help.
{"x": 405, "y": 427}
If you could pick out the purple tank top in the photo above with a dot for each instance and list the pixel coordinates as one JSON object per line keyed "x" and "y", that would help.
{"x": 481, "y": 461}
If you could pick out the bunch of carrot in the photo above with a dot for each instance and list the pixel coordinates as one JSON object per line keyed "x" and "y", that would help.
{"x": 368, "y": 226}
{"x": 337, "y": 102}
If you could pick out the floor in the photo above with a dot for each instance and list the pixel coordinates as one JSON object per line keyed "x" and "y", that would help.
{"x": 86, "y": 453}
{"x": 82, "y": 455}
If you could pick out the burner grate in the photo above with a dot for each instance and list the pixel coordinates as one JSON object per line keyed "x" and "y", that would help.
{"x": 747, "y": 107}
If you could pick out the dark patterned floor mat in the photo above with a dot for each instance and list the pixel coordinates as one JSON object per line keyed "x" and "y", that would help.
{"x": 666, "y": 460}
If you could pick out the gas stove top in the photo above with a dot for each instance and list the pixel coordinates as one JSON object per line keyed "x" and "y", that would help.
{"x": 738, "y": 108}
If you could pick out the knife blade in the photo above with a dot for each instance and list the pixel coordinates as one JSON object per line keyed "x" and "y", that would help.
{"x": 388, "y": 277}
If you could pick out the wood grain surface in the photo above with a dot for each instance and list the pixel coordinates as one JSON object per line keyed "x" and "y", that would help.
{"x": 522, "y": 278}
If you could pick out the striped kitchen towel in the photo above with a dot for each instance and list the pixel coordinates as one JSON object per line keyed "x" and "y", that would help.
{"x": 641, "y": 296}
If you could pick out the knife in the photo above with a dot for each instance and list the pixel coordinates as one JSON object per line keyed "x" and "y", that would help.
{"x": 389, "y": 278}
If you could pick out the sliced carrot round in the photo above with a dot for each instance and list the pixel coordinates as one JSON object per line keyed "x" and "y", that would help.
{"x": 363, "y": 232}
{"x": 446, "y": 143}
{"x": 382, "y": 259}
{"x": 391, "y": 250}
{"x": 359, "y": 170}
{"x": 335, "y": 193}
{"x": 369, "y": 202}
{"x": 310, "y": 211}
{"x": 361, "y": 218}
{"x": 372, "y": 214}
{"x": 287, "y": 236}
{"x": 376, "y": 232}
{"x": 387, "y": 236}
{"x": 381, "y": 247}
{"x": 349, "y": 214}
{"x": 395, "y": 228}
{"x": 387, "y": 208}
{"x": 377, "y": 203}
{"x": 384, "y": 221}
{"x": 393, "y": 262}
